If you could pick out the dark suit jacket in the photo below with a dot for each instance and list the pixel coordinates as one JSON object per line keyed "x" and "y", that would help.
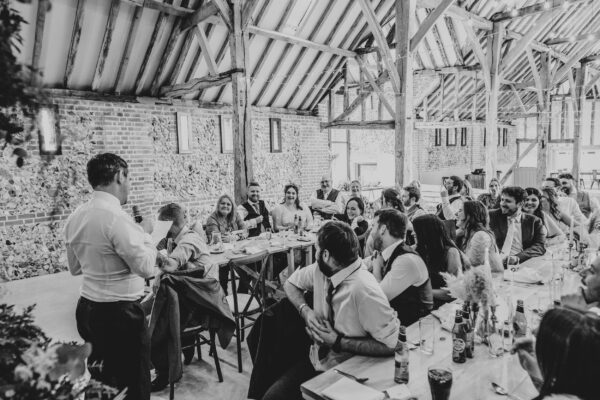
{"x": 533, "y": 234}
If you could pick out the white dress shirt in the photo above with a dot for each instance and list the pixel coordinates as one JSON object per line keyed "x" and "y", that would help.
{"x": 451, "y": 209}
{"x": 360, "y": 308}
{"x": 251, "y": 223}
{"x": 191, "y": 248}
{"x": 407, "y": 270}
{"x": 569, "y": 207}
{"x": 113, "y": 253}
{"x": 516, "y": 246}
{"x": 326, "y": 206}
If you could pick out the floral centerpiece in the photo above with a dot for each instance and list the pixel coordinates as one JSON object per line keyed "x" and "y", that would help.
{"x": 33, "y": 368}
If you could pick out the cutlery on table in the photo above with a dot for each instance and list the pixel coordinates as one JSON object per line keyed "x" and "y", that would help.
{"x": 503, "y": 392}
{"x": 347, "y": 375}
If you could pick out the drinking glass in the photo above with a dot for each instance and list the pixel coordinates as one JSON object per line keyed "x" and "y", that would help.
{"x": 440, "y": 382}
{"x": 427, "y": 334}
{"x": 216, "y": 240}
{"x": 268, "y": 233}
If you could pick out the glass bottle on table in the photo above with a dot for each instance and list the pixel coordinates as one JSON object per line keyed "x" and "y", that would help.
{"x": 494, "y": 337}
{"x": 216, "y": 241}
{"x": 507, "y": 337}
{"x": 459, "y": 339}
{"x": 519, "y": 321}
{"x": 470, "y": 332}
{"x": 401, "y": 358}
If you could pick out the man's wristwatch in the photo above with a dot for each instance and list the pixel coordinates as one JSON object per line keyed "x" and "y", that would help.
{"x": 337, "y": 346}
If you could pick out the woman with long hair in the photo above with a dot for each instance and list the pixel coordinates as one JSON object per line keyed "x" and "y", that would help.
{"x": 467, "y": 191}
{"x": 224, "y": 219}
{"x": 550, "y": 206}
{"x": 390, "y": 198}
{"x": 353, "y": 216}
{"x": 290, "y": 208}
{"x": 491, "y": 199}
{"x": 473, "y": 222}
{"x": 563, "y": 361}
{"x": 439, "y": 252}
{"x": 533, "y": 205}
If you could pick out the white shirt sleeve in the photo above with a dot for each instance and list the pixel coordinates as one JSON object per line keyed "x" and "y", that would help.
{"x": 134, "y": 246}
{"x": 450, "y": 209}
{"x": 377, "y": 317}
{"x": 406, "y": 271}
{"x": 243, "y": 213}
{"x": 304, "y": 278}
{"x": 74, "y": 265}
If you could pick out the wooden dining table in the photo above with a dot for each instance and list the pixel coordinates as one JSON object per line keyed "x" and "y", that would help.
{"x": 473, "y": 379}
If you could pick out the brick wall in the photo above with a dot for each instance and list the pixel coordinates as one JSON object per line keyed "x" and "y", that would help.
{"x": 36, "y": 199}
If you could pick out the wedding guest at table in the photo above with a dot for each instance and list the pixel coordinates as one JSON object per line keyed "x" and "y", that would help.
{"x": 491, "y": 199}
{"x": 224, "y": 219}
{"x": 254, "y": 211}
{"x": 593, "y": 230}
{"x": 586, "y": 204}
{"x": 114, "y": 255}
{"x": 451, "y": 198}
{"x": 399, "y": 269}
{"x": 411, "y": 196}
{"x": 390, "y": 198}
{"x": 188, "y": 250}
{"x": 467, "y": 191}
{"x": 554, "y": 183}
{"x": 588, "y": 295}
{"x": 439, "y": 253}
{"x": 327, "y": 201}
{"x": 563, "y": 209}
{"x": 534, "y": 205}
{"x": 350, "y": 314}
{"x": 353, "y": 216}
{"x": 520, "y": 236}
{"x": 476, "y": 235}
{"x": 285, "y": 213}
{"x": 415, "y": 183}
{"x": 562, "y": 361}
{"x": 356, "y": 191}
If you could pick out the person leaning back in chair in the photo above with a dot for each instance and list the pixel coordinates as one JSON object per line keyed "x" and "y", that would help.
{"x": 327, "y": 201}
{"x": 520, "y": 236}
{"x": 350, "y": 313}
{"x": 254, "y": 211}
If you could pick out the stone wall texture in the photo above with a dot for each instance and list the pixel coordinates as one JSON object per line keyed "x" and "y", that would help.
{"x": 36, "y": 199}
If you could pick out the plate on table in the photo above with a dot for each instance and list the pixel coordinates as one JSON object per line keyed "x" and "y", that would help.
{"x": 215, "y": 251}
{"x": 303, "y": 239}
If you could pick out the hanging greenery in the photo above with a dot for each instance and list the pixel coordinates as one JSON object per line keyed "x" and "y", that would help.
{"x": 18, "y": 100}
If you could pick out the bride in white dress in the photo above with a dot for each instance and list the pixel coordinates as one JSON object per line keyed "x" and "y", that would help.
{"x": 285, "y": 213}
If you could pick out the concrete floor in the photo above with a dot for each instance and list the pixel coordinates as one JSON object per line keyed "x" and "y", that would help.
{"x": 56, "y": 296}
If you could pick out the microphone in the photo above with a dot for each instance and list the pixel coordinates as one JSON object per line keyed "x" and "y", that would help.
{"x": 137, "y": 216}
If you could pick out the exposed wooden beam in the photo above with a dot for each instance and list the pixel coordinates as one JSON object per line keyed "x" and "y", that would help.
{"x": 573, "y": 39}
{"x": 543, "y": 121}
{"x": 313, "y": 34}
{"x": 519, "y": 100}
{"x": 206, "y": 52}
{"x": 198, "y": 84}
{"x": 455, "y": 42}
{"x": 386, "y": 55}
{"x": 164, "y": 8}
{"x": 547, "y": 5}
{"x": 384, "y": 124}
{"x": 40, "y": 22}
{"x": 381, "y": 79}
{"x": 592, "y": 58}
{"x": 106, "y": 40}
{"x": 521, "y": 44}
{"x": 566, "y": 68}
{"x": 184, "y": 51}
{"x": 195, "y": 64}
{"x": 431, "y": 19}
{"x": 375, "y": 86}
{"x": 225, "y": 11}
{"x": 247, "y": 12}
{"x": 478, "y": 53}
{"x": 404, "y": 123}
{"x": 206, "y": 11}
{"x": 540, "y": 88}
{"x": 131, "y": 34}
{"x": 494, "y": 52}
{"x": 591, "y": 82}
{"x": 465, "y": 70}
{"x": 301, "y": 42}
{"x": 471, "y": 19}
{"x": 167, "y": 53}
{"x": 579, "y": 94}
{"x": 515, "y": 165}
{"x": 74, "y": 46}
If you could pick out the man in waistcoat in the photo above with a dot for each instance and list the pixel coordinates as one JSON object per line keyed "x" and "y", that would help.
{"x": 586, "y": 204}
{"x": 400, "y": 271}
{"x": 327, "y": 201}
{"x": 451, "y": 198}
{"x": 254, "y": 211}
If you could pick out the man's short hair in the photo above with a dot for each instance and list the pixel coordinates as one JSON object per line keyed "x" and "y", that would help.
{"x": 102, "y": 168}
{"x": 394, "y": 221}
{"x": 413, "y": 193}
{"x": 457, "y": 181}
{"x": 340, "y": 241}
{"x": 253, "y": 183}
{"x": 516, "y": 192}
{"x": 566, "y": 175}
{"x": 172, "y": 212}
{"x": 555, "y": 180}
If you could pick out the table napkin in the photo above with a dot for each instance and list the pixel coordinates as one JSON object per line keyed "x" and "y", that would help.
{"x": 347, "y": 389}
{"x": 446, "y": 314}
{"x": 523, "y": 275}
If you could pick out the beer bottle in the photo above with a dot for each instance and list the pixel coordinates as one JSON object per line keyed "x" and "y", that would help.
{"x": 470, "y": 344}
{"x": 519, "y": 321}
{"x": 459, "y": 339}
{"x": 401, "y": 358}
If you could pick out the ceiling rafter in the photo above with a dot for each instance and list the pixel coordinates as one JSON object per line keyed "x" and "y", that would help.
{"x": 74, "y": 45}
{"x": 429, "y": 22}
{"x": 106, "y": 40}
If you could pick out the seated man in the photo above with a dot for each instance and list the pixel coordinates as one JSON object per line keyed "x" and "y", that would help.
{"x": 254, "y": 211}
{"x": 586, "y": 204}
{"x": 520, "y": 236}
{"x": 350, "y": 313}
{"x": 188, "y": 250}
{"x": 588, "y": 296}
{"x": 327, "y": 201}
{"x": 400, "y": 271}
{"x": 410, "y": 199}
{"x": 451, "y": 199}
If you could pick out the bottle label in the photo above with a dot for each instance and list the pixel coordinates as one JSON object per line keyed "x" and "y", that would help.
{"x": 458, "y": 346}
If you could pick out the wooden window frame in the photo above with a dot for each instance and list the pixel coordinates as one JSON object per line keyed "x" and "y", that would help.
{"x": 224, "y": 129}
{"x": 275, "y": 135}
{"x": 438, "y": 137}
{"x": 463, "y": 137}
{"x": 448, "y": 144}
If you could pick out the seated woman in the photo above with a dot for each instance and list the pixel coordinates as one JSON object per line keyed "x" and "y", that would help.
{"x": 550, "y": 206}
{"x": 533, "y": 206}
{"x": 563, "y": 360}
{"x": 285, "y": 213}
{"x": 224, "y": 219}
{"x": 593, "y": 230}
{"x": 353, "y": 216}
{"x": 491, "y": 199}
{"x": 439, "y": 253}
{"x": 467, "y": 191}
{"x": 476, "y": 236}
{"x": 356, "y": 191}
